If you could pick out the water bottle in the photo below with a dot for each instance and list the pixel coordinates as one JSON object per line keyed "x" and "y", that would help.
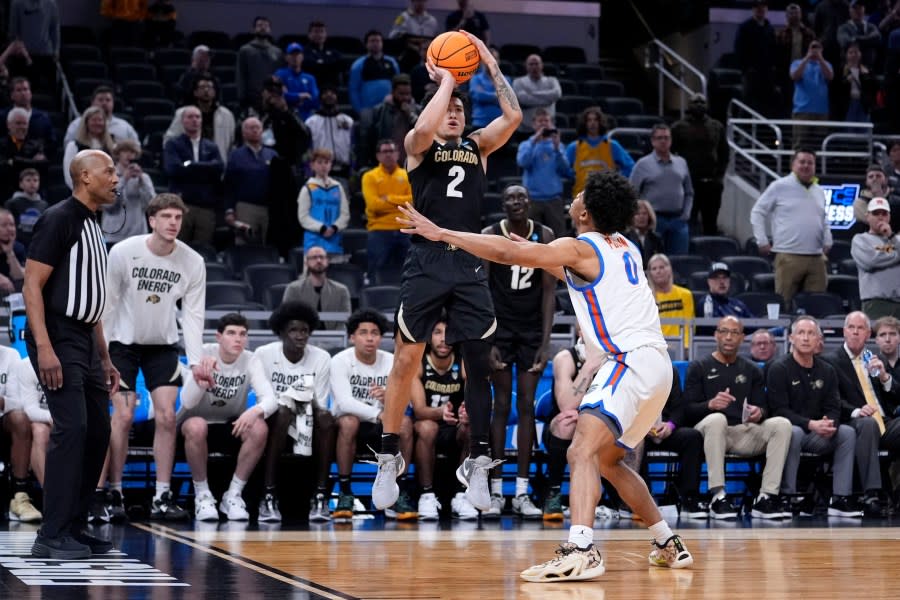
{"x": 867, "y": 358}
{"x": 708, "y": 307}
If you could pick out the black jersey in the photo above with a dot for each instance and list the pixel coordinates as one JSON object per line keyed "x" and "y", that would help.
{"x": 517, "y": 291}
{"x": 439, "y": 389}
{"x": 448, "y": 186}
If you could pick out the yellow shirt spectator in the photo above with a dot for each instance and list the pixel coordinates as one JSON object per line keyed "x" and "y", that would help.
{"x": 383, "y": 192}
{"x": 674, "y": 302}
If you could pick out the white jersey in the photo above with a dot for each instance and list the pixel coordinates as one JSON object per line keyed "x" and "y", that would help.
{"x": 142, "y": 289}
{"x": 352, "y": 381}
{"x": 9, "y": 359}
{"x": 31, "y": 397}
{"x": 315, "y": 367}
{"x": 228, "y": 399}
{"x": 616, "y": 311}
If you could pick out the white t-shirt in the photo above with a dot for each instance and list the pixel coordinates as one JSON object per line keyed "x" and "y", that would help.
{"x": 142, "y": 290}
{"x": 31, "y": 397}
{"x": 228, "y": 399}
{"x": 352, "y": 381}
{"x": 282, "y": 373}
{"x": 9, "y": 359}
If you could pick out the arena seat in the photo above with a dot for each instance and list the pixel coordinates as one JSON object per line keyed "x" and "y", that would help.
{"x": 714, "y": 246}
{"x": 262, "y": 276}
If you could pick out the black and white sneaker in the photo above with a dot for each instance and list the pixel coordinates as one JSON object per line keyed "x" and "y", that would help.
{"x": 116, "y": 506}
{"x": 164, "y": 508}
{"x": 722, "y": 508}
{"x": 97, "y": 511}
{"x": 767, "y": 507}
{"x": 844, "y": 506}
{"x": 803, "y": 506}
{"x": 692, "y": 508}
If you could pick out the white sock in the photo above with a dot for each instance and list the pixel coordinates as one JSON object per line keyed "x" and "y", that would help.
{"x": 718, "y": 495}
{"x": 200, "y": 487}
{"x": 581, "y": 536}
{"x": 115, "y": 486}
{"x": 496, "y": 487}
{"x": 237, "y": 485}
{"x": 661, "y": 532}
{"x": 521, "y": 486}
{"x": 161, "y": 488}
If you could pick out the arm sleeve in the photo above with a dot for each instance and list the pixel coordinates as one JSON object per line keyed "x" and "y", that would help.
{"x": 191, "y": 393}
{"x": 71, "y": 129}
{"x": 193, "y": 306}
{"x": 622, "y": 159}
{"x": 114, "y": 283}
{"x": 173, "y": 164}
{"x": 696, "y": 404}
{"x": 637, "y": 177}
{"x": 344, "y": 402}
{"x": 303, "y": 204}
{"x": 674, "y": 408}
{"x": 868, "y": 259}
{"x": 323, "y": 382}
{"x": 71, "y": 151}
{"x": 265, "y": 396}
{"x": 758, "y": 392}
{"x": 525, "y": 154}
{"x": 779, "y": 401}
{"x": 344, "y": 217}
{"x": 832, "y": 398}
{"x": 827, "y": 240}
{"x": 688, "y": 195}
{"x": 355, "y": 86}
{"x": 759, "y": 214}
{"x": 562, "y": 165}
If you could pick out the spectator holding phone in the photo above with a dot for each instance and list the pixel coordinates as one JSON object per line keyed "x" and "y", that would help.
{"x": 544, "y": 165}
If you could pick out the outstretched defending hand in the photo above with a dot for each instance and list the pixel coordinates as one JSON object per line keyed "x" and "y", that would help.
{"x": 415, "y": 222}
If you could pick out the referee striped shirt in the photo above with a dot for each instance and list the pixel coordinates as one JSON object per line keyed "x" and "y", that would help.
{"x": 67, "y": 237}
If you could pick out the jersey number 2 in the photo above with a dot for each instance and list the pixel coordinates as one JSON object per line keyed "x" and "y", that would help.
{"x": 631, "y": 268}
{"x": 458, "y": 174}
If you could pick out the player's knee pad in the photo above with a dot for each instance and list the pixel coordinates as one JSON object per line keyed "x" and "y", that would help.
{"x": 476, "y": 358}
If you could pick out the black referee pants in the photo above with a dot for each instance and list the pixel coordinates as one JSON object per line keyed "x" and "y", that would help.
{"x": 80, "y": 435}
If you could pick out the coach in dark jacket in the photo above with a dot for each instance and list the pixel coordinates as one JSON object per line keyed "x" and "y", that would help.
{"x": 194, "y": 167}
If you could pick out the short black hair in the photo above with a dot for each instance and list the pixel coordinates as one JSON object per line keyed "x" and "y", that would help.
{"x": 400, "y": 79}
{"x": 370, "y": 33}
{"x": 205, "y": 76}
{"x": 366, "y": 315}
{"x": 231, "y": 318}
{"x": 293, "y": 311}
{"x": 259, "y": 18}
{"x": 611, "y": 201}
{"x": 463, "y": 97}
{"x": 315, "y": 24}
{"x": 802, "y": 150}
{"x": 103, "y": 89}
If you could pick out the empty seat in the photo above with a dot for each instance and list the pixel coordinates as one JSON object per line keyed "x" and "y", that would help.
{"x": 77, "y": 34}
{"x": 847, "y": 288}
{"x": 564, "y": 54}
{"x": 346, "y": 44}
{"x": 840, "y": 250}
{"x": 155, "y": 123}
{"x": 573, "y": 105}
{"x": 240, "y": 257}
{"x": 145, "y": 107}
{"x": 80, "y": 52}
{"x": 848, "y": 267}
{"x": 685, "y": 264}
{"x": 819, "y": 304}
{"x": 78, "y": 70}
{"x": 389, "y": 275}
{"x": 714, "y": 246}
{"x": 569, "y": 87}
{"x": 518, "y": 52}
{"x": 136, "y": 90}
{"x": 757, "y": 301}
{"x": 135, "y": 72}
{"x": 639, "y": 121}
{"x": 227, "y": 293}
{"x": 262, "y": 276}
{"x": 763, "y": 282}
{"x": 119, "y": 56}
{"x": 350, "y": 275}
{"x": 180, "y": 57}
{"x": 748, "y": 266}
{"x": 564, "y": 302}
{"x": 383, "y": 298}
{"x": 217, "y": 272}
{"x": 600, "y": 88}
{"x": 622, "y": 106}
{"x": 84, "y": 88}
{"x": 274, "y": 294}
{"x": 354, "y": 239}
{"x": 213, "y": 39}
{"x": 584, "y": 72}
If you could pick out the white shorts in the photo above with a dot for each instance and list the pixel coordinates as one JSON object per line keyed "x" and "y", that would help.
{"x": 631, "y": 389}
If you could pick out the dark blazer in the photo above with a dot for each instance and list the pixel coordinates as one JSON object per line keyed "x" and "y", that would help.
{"x": 199, "y": 182}
{"x": 851, "y": 392}
{"x": 653, "y": 244}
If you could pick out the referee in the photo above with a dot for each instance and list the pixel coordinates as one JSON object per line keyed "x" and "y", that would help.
{"x": 65, "y": 292}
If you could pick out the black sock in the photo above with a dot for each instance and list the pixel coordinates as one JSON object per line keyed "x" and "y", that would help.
{"x": 344, "y": 483}
{"x": 390, "y": 443}
{"x": 322, "y": 489}
{"x": 556, "y": 459}
{"x": 479, "y": 448}
{"x": 20, "y": 485}
{"x": 427, "y": 489}
{"x": 555, "y": 490}
{"x": 270, "y": 489}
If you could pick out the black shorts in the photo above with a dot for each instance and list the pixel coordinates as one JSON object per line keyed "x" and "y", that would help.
{"x": 368, "y": 435}
{"x": 218, "y": 439}
{"x": 436, "y": 278}
{"x": 159, "y": 363}
{"x": 517, "y": 347}
{"x": 445, "y": 441}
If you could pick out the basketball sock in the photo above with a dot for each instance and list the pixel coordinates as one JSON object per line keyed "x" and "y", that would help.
{"x": 496, "y": 486}
{"x": 556, "y": 458}
{"x": 481, "y": 448}
{"x": 581, "y": 536}
{"x": 270, "y": 489}
{"x": 19, "y": 485}
{"x": 237, "y": 485}
{"x": 201, "y": 487}
{"x": 390, "y": 443}
{"x": 660, "y": 532}
{"x": 161, "y": 488}
{"x": 521, "y": 486}
{"x": 344, "y": 484}
{"x": 427, "y": 489}
{"x": 323, "y": 489}
{"x": 115, "y": 486}
{"x": 555, "y": 489}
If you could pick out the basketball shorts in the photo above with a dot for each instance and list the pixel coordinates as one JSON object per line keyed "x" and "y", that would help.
{"x": 445, "y": 442}
{"x": 159, "y": 363}
{"x": 436, "y": 278}
{"x": 218, "y": 439}
{"x": 517, "y": 347}
{"x": 630, "y": 391}
{"x": 368, "y": 435}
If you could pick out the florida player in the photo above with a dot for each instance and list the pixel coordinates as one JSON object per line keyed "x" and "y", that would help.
{"x": 447, "y": 175}
{"x": 618, "y": 317}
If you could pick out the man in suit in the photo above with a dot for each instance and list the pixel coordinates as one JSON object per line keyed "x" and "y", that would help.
{"x": 317, "y": 290}
{"x": 194, "y": 167}
{"x": 869, "y": 399}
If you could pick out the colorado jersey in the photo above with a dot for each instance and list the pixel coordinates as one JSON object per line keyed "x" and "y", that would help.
{"x": 443, "y": 388}
{"x": 142, "y": 289}
{"x": 448, "y": 186}
{"x": 31, "y": 395}
{"x": 616, "y": 311}
{"x": 517, "y": 291}
{"x": 314, "y": 369}
{"x": 9, "y": 360}
{"x": 352, "y": 381}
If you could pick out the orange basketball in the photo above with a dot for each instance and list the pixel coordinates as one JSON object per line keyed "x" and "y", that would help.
{"x": 453, "y": 51}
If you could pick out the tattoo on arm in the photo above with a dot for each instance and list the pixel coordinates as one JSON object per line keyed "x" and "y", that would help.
{"x": 504, "y": 92}
{"x": 580, "y": 387}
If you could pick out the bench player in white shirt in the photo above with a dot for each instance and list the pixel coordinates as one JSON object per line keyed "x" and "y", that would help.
{"x": 33, "y": 402}
{"x": 218, "y": 417}
{"x": 147, "y": 275}
{"x": 358, "y": 378}
{"x": 15, "y": 423}
{"x": 618, "y": 317}
{"x": 295, "y": 368}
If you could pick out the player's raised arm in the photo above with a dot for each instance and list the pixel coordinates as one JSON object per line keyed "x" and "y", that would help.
{"x": 421, "y": 136}
{"x": 497, "y": 132}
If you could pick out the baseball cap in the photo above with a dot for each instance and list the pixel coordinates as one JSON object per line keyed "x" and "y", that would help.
{"x": 878, "y": 204}
{"x": 719, "y": 267}
{"x": 293, "y": 47}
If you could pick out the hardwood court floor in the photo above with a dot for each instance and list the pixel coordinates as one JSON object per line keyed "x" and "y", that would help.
{"x": 802, "y": 560}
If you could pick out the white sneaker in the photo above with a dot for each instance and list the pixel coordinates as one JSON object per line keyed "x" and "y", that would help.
{"x": 234, "y": 507}
{"x": 461, "y": 508}
{"x": 496, "y": 509}
{"x": 428, "y": 507}
{"x": 473, "y": 473}
{"x": 205, "y": 507}
{"x": 525, "y": 508}
{"x": 571, "y": 564}
{"x": 385, "y": 490}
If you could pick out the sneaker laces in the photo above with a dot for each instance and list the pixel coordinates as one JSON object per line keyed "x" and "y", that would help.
{"x": 380, "y": 460}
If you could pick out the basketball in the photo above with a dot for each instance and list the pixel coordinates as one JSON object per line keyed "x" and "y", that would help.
{"x": 453, "y": 51}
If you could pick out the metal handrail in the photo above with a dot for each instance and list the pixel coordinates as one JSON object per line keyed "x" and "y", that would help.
{"x": 759, "y": 120}
{"x": 663, "y": 70}
{"x": 67, "y": 98}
